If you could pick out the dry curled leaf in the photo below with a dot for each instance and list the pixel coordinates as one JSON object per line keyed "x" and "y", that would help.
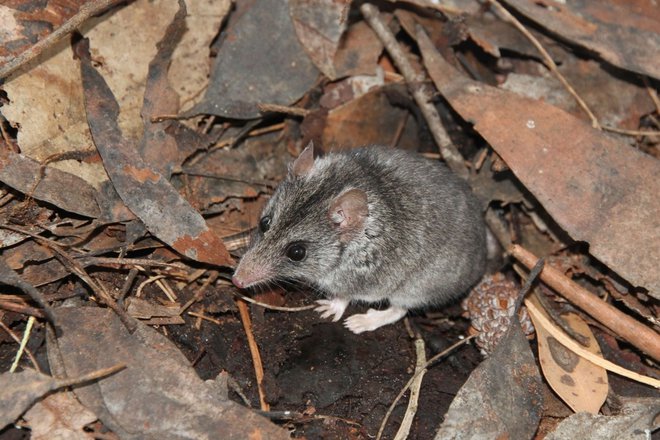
{"x": 581, "y": 384}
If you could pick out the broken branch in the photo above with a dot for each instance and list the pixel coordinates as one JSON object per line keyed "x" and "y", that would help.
{"x": 623, "y": 325}
{"x": 421, "y": 92}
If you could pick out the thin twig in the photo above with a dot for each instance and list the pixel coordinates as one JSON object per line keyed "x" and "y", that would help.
{"x": 554, "y": 314}
{"x": 70, "y": 263}
{"x": 21, "y": 307}
{"x": 21, "y": 347}
{"x": 167, "y": 289}
{"x": 267, "y": 183}
{"x": 631, "y": 132}
{"x": 480, "y": 159}
{"x": 275, "y": 108}
{"x": 399, "y": 130}
{"x": 86, "y": 11}
{"x": 15, "y": 337}
{"x": 412, "y": 379}
{"x": 204, "y": 317}
{"x": 420, "y": 370}
{"x": 128, "y": 283}
{"x": 149, "y": 280}
{"x": 417, "y": 84}
{"x": 268, "y": 306}
{"x": 652, "y": 93}
{"x": 254, "y": 350}
{"x": 108, "y": 261}
{"x": 549, "y": 62}
{"x": 98, "y": 374}
{"x": 200, "y": 292}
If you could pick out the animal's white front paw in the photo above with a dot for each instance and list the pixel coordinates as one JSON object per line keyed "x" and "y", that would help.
{"x": 373, "y": 319}
{"x": 332, "y": 307}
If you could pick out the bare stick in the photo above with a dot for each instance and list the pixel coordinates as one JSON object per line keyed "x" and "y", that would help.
{"x": 114, "y": 262}
{"x": 420, "y": 370}
{"x": 652, "y": 93}
{"x": 21, "y": 307}
{"x": 631, "y": 132}
{"x": 200, "y": 292}
{"x": 90, "y": 376}
{"x": 204, "y": 317}
{"x": 549, "y": 62}
{"x": 18, "y": 341}
{"x": 409, "y": 383}
{"x": 623, "y": 325}
{"x": 417, "y": 84}
{"x": 256, "y": 357}
{"x": 21, "y": 346}
{"x": 268, "y": 306}
{"x": 276, "y": 108}
{"x": 86, "y": 11}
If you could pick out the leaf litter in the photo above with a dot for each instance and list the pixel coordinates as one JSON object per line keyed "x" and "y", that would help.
{"x": 106, "y": 175}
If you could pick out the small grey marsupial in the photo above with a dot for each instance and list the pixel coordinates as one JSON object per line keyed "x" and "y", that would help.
{"x": 369, "y": 224}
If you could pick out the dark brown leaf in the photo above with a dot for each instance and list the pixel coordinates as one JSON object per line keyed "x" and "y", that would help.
{"x": 599, "y": 190}
{"x": 158, "y": 385}
{"x": 358, "y": 51}
{"x": 260, "y": 61}
{"x": 624, "y": 34}
{"x": 147, "y": 193}
{"x": 503, "y": 396}
{"x": 64, "y": 190}
{"x": 18, "y": 391}
{"x": 158, "y": 147}
{"x": 369, "y": 119}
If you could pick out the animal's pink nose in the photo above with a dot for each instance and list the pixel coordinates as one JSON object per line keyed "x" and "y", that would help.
{"x": 238, "y": 282}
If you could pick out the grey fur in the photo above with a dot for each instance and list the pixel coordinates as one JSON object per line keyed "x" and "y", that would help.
{"x": 424, "y": 240}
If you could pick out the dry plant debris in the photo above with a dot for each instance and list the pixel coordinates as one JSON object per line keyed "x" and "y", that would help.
{"x": 140, "y": 140}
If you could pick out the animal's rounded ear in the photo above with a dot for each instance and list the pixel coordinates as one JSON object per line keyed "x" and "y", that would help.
{"x": 304, "y": 163}
{"x": 348, "y": 212}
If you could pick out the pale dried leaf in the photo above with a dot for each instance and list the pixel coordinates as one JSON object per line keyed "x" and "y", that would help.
{"x": 189, "y": 71}
{"x": 579, "y": 383}
{"x": 47, "y": 101}
{"x": 58, "y": 416}
{"x": 319, "y": 26}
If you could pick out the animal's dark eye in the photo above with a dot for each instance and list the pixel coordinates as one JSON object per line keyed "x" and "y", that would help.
{"x": 296, "y": 252}
{"x": 264, "y": 223}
